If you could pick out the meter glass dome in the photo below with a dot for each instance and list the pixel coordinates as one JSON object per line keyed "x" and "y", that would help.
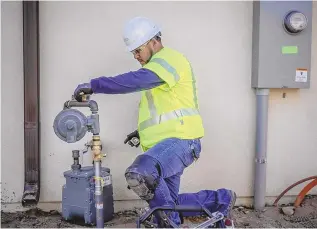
{"x": 295, "y": 22}
{"x": 298, "y": 21}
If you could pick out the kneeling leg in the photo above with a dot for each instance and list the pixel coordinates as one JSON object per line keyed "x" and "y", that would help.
{"x": 144, "y": 178}
{"x": 221, "y": 200}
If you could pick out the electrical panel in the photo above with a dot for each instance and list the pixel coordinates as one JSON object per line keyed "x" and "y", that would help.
{"x": 281, "y": 48}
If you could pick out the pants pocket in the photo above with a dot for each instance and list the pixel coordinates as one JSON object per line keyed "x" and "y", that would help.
{"x": 191, "y": 151}
{"x": 195, "y": 147}
{"x": 188, "y": 158}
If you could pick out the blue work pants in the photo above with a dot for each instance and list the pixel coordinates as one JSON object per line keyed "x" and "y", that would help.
{"x": 166, "y": 162}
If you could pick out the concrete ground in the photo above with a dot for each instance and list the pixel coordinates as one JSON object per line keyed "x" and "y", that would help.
{"x": 272, "y": 217}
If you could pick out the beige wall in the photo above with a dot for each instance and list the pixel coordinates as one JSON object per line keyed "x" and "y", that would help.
{"x": 12, "y": 139}
{"x": 292, "y": 145}
{"x": 83, "y": 40}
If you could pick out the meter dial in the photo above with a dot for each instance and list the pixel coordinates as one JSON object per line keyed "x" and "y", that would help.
{"x": 295, "y": 22}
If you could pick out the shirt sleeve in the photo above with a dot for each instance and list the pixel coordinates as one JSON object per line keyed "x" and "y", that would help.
{"x": 129, "y": 82}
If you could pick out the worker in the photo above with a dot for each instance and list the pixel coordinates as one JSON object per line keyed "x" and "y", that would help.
{"x": 169, "y": 124}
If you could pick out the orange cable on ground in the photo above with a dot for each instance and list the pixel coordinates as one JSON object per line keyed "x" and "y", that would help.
{"x": 304, "y": 191}
{"x": 292, "y": 186}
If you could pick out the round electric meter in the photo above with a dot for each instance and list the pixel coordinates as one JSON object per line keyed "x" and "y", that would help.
{"x": 295, "y": 22}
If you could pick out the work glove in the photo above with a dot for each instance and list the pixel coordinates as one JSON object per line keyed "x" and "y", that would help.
{"x": 133, "y": 139}
{"x": 82, "y": 89}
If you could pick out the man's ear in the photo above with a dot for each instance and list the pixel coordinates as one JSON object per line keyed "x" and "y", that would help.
{"x": 155, "y": 42}
{"x": 152, "y": 44}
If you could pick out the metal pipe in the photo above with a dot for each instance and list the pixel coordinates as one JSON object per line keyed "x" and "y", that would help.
{"x": 32, "y": 129}
{"x": 90, "y": 103}
{"x": 98, "y": 196}
{"x": 96, "y": 150}
{"x": 262, "y": 100}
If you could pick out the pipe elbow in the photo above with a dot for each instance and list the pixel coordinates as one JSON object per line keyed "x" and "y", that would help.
{"x": 90, "y": 103}
{"x": 93, "y": 105}
{"x": 66, "y": 104}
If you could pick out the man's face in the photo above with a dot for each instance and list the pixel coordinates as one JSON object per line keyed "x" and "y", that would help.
{"x": 143, "y": 53}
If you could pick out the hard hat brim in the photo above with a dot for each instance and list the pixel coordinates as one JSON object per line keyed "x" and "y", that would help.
{"x": 145, "y": 39}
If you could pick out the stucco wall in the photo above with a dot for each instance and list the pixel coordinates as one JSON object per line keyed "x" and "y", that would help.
{"x": 83, "y": 40}
{"x": 12, "y": 139}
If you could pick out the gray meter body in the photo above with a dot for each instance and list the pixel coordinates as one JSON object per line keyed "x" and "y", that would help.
{"x": 282, "y": 37}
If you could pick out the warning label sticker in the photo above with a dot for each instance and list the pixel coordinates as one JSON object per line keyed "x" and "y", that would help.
{"x": 106, "y": 180}
{"x": 99, "y": 206}
{"x": 301, "y": 75}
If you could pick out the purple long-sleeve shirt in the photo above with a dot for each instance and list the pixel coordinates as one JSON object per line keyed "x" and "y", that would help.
{"x": 129, "y": 82}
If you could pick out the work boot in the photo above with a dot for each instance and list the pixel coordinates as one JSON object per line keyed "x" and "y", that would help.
{"x": 142, "y": 211}
{"x": 149, "y": 222}
{"x": 229, "y": 218}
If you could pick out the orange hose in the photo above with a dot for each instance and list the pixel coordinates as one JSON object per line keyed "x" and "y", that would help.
{"x": 304, "y": 191}
{"x": 292, "y": 186}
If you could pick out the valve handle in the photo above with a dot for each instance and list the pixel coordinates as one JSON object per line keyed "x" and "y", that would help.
{"x": 84, "y": 97}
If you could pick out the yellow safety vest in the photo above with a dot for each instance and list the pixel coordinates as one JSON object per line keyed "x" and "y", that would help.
{"x": 170, "y": 110}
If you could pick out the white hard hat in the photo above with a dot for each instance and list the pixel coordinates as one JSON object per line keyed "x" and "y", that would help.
{"x": 138, "y": 31}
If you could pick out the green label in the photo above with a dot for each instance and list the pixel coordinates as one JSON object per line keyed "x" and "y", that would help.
{"x": 289, "y": 49}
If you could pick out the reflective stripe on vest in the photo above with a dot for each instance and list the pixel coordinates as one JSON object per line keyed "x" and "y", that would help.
{"x": 194, "y": 86}
{"x": 157, "y": 119}
{"x": 168, "y": 116}
{"x": 150, "y": 102}
{"x": 167, "y": 67}
{"x": 172, "y": 70}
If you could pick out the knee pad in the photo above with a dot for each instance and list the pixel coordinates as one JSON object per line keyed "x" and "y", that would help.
{"x": 143, "y": 186}
{"x": 143, "y": 176}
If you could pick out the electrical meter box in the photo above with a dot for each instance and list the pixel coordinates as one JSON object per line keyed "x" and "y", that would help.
{"x": 282, "y": 37}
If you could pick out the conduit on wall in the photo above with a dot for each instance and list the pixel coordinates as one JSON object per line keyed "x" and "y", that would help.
{"x": 31, "y": 103}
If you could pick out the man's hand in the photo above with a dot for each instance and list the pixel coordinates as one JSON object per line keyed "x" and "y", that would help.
{"x": 133, "y": 139}
{"x": 82, "y": 89}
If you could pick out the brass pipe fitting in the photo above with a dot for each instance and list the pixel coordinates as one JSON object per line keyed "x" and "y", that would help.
{"x": 96, "y": 148}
